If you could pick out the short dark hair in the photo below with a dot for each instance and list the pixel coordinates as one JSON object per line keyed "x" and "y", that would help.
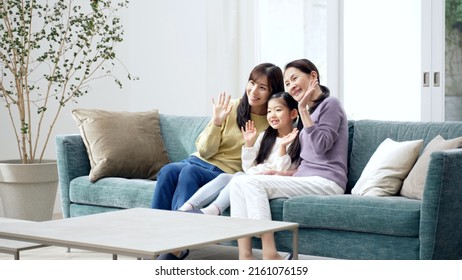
{"x": 307, "y": 67}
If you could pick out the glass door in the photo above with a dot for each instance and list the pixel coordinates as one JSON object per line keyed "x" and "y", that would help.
{"x": 402, "y": 60}
{"x": 382, "y": 59}
{"x": 453, "y": 60}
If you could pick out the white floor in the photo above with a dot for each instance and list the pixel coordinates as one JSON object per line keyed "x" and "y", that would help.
{"x": 215, "y": 252}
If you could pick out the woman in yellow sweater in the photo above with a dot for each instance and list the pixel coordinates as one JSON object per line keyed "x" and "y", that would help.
{"x": 219, "y": 145}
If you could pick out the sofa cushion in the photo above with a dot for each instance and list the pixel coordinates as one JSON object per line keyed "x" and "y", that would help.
{"x": 369, "y": 134}
{"x": 179, "y": 148}
{"x": 387, "y": 168}
{"x": 112, "y": 192}
{"x": 391, "y": 215}
{"x": 413, "y": 185}
{"x": 122, "y": 144}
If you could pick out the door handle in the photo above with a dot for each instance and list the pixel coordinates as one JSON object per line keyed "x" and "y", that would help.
{"x": 426, "y": 79}
{"x": 436, "y": 79}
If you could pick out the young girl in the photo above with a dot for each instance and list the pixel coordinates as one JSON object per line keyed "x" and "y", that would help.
{"x": 323, "y": 166}
{"x": 275, "y": 149}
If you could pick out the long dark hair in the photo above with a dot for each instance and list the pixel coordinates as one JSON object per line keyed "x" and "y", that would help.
{"x": 307, "y": 67}
{"x": 275, "y": 83}
{"x": 270, "y": 134}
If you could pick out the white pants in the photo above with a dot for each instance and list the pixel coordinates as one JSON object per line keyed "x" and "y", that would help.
{"x": 250, "y": 194}
{"x": 215, "y": 192}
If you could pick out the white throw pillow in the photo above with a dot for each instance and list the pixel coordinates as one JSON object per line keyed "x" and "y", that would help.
{"x": 387, "y": 168}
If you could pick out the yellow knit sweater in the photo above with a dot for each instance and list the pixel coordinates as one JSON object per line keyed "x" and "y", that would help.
{"x": 221, "y": 146}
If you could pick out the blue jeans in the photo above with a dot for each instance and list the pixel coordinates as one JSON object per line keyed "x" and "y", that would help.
{"x": 178, "y": 181}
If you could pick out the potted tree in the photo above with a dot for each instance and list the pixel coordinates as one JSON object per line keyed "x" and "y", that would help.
{"x": 50, "y": 52}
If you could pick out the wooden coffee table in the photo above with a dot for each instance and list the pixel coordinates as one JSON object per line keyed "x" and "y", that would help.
{"x": 142, "y": 232}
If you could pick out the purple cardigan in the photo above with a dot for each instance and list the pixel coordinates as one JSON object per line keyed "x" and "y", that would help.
{"x": 324, "y": 146}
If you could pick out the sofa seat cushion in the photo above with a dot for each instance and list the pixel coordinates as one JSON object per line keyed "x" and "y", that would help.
{"x": 112, "y": 192}
{"x": 394, "y": 215}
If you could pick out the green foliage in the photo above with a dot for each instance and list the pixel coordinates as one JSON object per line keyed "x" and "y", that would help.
{"x": 454, "y": 14}
{"x": 453, "y": 47}
{"x": 50, "y": 51}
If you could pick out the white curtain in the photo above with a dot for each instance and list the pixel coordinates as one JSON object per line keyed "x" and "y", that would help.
{"x": 231, "y": 47}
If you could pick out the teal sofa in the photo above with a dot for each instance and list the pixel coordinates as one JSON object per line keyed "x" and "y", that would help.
{"x": 341, "y": 226}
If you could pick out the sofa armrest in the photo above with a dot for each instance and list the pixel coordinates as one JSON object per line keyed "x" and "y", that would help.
{"x": 441, "y": 215}
{"x": 73, "y": 162}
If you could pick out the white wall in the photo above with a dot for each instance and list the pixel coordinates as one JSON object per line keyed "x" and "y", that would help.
{"x": 167, "y": 50}
{"x": 166, "y": 46}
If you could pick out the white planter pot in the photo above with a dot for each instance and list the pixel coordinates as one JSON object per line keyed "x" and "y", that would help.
{"x": 28, "y": 191}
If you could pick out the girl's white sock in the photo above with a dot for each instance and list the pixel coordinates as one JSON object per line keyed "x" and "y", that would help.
{"x": 186, "y": 207}
{"x": 211, "y": 210}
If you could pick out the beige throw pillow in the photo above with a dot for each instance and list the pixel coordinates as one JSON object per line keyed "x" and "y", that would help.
{"x": 414, "y": 184}
{"x": 122, "y": 144}
{"x": 387, "y": 168}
